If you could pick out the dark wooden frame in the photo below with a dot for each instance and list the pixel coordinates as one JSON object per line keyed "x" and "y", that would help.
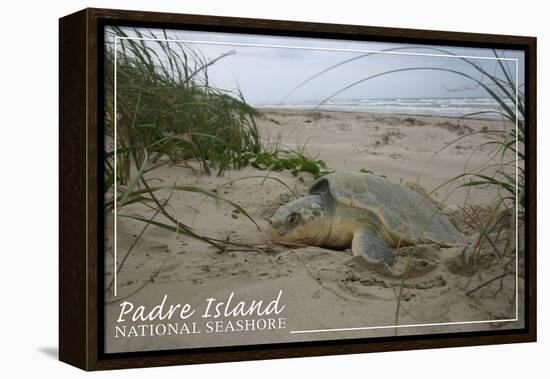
{"x": 80, "y": 188}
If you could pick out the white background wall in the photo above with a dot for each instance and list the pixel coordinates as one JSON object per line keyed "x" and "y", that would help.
{"x": 29, "y": 175}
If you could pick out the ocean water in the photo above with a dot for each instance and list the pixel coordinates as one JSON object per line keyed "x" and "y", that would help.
{"x": 450, "y": 107}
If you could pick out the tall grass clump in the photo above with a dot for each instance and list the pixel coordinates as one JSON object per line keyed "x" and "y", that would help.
{"x": 165, "y": 105}
{"x": 503, "y": 173}
{"x": 501, "y": 86}
{"x": 167, "y": 112}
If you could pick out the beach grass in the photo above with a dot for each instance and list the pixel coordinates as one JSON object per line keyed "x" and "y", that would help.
{"x": 501, "y": 86}
{"x": 167, "y": 112}
{"x": 504, "y": 176}
{"x": 166, "y": 105}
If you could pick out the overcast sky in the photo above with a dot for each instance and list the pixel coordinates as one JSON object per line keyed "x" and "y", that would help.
{"x": 269, "y": 74}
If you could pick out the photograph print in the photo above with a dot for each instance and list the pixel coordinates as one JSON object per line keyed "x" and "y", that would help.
{"x": 265, "y": 190}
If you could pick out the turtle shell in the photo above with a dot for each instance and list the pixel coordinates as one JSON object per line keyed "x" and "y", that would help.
{"x": 404, "y": 212}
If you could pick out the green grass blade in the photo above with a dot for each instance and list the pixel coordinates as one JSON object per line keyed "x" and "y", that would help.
{"x": 133, "y": 182}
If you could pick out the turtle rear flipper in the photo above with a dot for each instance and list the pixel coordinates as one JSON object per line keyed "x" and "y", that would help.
{"x": 369, "y": 245}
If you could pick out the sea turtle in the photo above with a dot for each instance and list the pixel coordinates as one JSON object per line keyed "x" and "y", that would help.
{"x": 365, "y": 211}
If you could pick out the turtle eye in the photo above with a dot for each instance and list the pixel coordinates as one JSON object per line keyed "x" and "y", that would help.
{"x": 293, "y": 219}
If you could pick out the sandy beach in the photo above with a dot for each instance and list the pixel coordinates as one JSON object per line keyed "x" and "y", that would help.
{"x": 428, "y": 150}
{"x": 327, "y": 294}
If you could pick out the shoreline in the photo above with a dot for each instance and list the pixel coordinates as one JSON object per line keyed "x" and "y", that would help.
{"x": 283, "y": 109}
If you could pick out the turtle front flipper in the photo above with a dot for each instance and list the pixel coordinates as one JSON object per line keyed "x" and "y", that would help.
{"x": 369, "y": 245}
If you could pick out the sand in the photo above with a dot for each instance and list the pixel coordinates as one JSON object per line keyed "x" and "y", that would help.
{"x": 327, "y": 294}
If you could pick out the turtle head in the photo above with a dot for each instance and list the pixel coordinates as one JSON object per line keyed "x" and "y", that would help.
{"x": 302, "y": 221}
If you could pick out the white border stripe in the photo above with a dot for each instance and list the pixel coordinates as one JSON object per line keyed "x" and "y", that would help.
{"x": 517, "y": 191}
{"x": 199, "y": 42}
{"x": 115, "y": 181}
{"x": 398, "y": 326}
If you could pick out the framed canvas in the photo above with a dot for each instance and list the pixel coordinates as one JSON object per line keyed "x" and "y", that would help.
{"x": 238, "y": 189}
